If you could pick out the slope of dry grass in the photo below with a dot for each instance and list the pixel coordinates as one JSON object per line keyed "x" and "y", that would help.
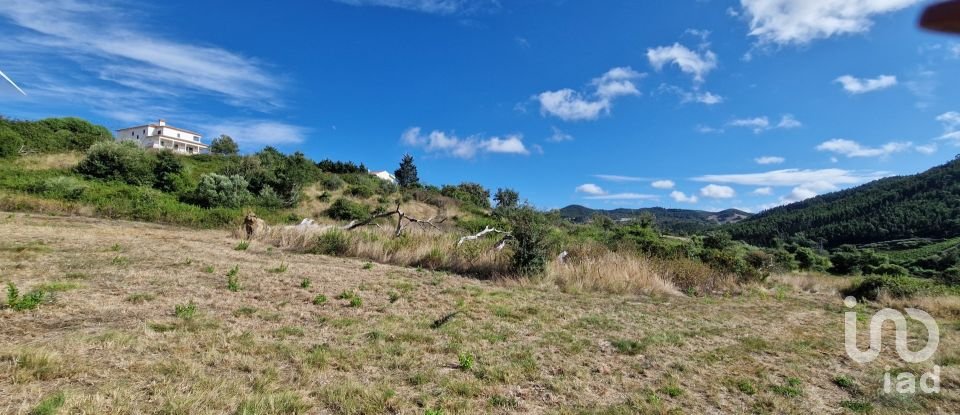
{"x": 142, "y": 321}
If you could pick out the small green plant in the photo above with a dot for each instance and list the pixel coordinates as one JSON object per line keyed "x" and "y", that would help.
{"x": 356, "y": 301}
{"x": 860, "y": 407}
{"x": 280, "y": 269}
{"x": 791, "y": 389}
{"x": 25, "y": 302}
{"x": 393, "y": 296}
{"x": 465, "y": 361}
{"x": 320, "y": 299}
{"x": 628, "y": 347}
{"x": 305, "y": 283}
{"x": 244, "y": 312}
{"x": 844, "y": 382}
{"x": 120, "y": 260}
{"x": 49, "y": 405}
{"x": 242, "y": 246}
{"x": 672, "y": 390}
{"x": 208, "y": 269}
{"x": 185, "y": 311}
{"x": 501, "y": 401}
{"x": 746, "y": 387}
{"x": 234, "y": 271}
{"x": 233, "y": 283}
{"x": 116, "y": 248}
{"x": 368, "y": 265}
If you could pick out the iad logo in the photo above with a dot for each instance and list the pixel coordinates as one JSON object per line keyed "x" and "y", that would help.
{"x": 906, "y": 382}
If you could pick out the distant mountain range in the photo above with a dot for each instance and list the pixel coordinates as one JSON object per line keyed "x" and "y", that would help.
{"x": 924, "y": 205}
{"x": 670, "y": 220}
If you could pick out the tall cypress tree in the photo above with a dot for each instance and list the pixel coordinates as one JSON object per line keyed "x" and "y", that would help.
{"x": 407, "y": 173}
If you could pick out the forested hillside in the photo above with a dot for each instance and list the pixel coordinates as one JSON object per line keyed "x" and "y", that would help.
{"x": 678, "y": 221}
{"x": 925, "y": 205}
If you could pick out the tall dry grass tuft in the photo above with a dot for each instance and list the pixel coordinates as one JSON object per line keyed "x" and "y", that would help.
{"x": 589, "y": 267}
{"x": 813, "y": 283}
{"x": 611, "y": 272}
{"x": 947, "y": 307}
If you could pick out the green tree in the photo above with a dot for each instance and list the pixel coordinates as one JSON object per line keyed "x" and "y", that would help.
{"x": 166, "y": 171}
{"x": 529, "y": 232}
{"x": 224, "y": 145}
{"x": 507, "y": 198}
{"x": 407, "y": 173}
{"x": 111, "y": 160}
{"x": 466, "y": 192}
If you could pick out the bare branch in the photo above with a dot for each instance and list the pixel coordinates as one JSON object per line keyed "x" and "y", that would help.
{"x": 485, "y": 231}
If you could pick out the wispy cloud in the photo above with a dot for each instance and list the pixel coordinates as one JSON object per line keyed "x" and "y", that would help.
{"x": 688, "y": 96}
{"x": 255, "y": 133}
{"x": 93, "y": 55}
{"x": 761, "y": 124}
{"x": 441, "y": 7}
{"x": 559, "y": 136}
{"x": 621, "y": 179}
{"x": 450, "y": 144}
{"x": 624, "y": 196}
{"x": 570, "y": 105}
{"x": 769, "y": 160}
{"x": 795, "y": 177}
{"x": 852, "y": 148}
{"x": 797, "y": 22}
{"x": 694, "y": 63}
{"x": 854, "y": 85}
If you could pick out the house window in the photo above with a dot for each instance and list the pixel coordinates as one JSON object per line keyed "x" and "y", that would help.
{"x": 159, "y": 131}
{"x": 178, "y": 135}
{"x": 195, "y": 138}
{"x": 131, "y": 132}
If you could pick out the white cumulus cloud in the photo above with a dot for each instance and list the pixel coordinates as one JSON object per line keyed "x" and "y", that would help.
{"x": 681, "y": 197}
{"x": 763, "y": 191}
{"x": 717, "y": 192}
{"x": 663, "y": 184}
{"x": 590, "y": 189}
{"x": 856, "y": 85}
{"x": 570, "y": 105}
{"x": 465, "y": 148}
{"x": 797, "y": 22}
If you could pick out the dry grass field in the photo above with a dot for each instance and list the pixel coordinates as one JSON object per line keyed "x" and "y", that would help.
{"x": 142, "y": 319}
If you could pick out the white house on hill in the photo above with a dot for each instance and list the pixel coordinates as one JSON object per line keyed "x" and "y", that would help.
{"x": 384, "y": 175}
{"x": 163, "y": 136}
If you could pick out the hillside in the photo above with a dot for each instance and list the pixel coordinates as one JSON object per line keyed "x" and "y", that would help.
{"x": 669, "y": 220}
{"x": 924, "y": 205}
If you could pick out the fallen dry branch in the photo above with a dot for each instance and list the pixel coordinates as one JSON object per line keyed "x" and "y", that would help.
{"x": 485, "y": 231}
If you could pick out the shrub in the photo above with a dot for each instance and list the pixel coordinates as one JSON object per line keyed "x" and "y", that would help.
{"x": 870, "y": 288}
{"x": 331, "y": 181}
{"x": 892, "y": 270}
{"x": 269, "y": 198}
{"x": 118, "y": 161}
{"x": 166, "y": 172}
{"x": 185, "y": 311}
{"x": 344, "y": 209}
{"x": 529, "y": 233}
{"x": 320, "y": 299}
{"x": 215, "y": 190}
{"x": 60, "y": 187}
{"x": 465, "y": 361}
{"x": 361, "y": 191}
{"x": 334, "y": 242}
{"x": 224, "y": 145}
{"x": 471, "y": 193}
{"x": 27, "y": 301}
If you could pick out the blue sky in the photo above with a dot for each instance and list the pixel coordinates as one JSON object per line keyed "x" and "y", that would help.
{"x": 699, "y": 104}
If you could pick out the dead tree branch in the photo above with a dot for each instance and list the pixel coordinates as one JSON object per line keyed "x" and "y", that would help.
{"x": 485, "y": 231}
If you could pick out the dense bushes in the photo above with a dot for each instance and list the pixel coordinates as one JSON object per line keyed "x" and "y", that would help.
{"x": 51, "y": 135}
{"x": 871, "y": 288}
{"x": 118, "y": 161}
{"x": 344, "y": 209}
{"x": 471, "y": 193}
{"x": 215, "y": 190}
